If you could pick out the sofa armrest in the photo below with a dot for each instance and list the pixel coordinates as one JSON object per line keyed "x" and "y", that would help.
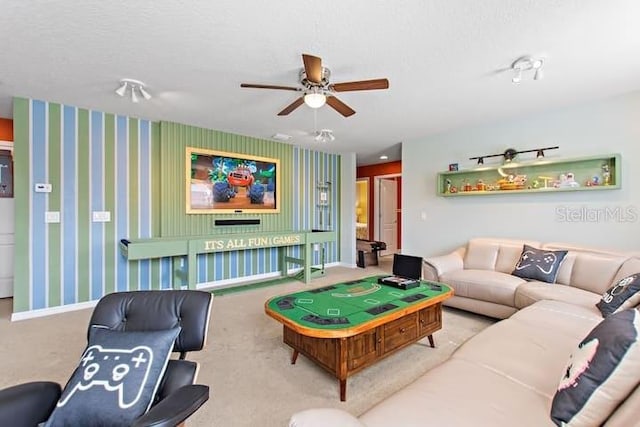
{"x": 435, "y": 267}
{"x": 323, "y": 417}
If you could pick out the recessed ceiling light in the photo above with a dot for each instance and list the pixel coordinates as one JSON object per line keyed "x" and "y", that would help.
{"x": 383, "y": 157}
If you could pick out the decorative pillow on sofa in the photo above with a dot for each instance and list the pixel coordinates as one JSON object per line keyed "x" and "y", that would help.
{"x": 539, "y": 264}
{"x": 116, "y": 379}
{"x": 624, "y": 294}
{"x": 601, "y": 373}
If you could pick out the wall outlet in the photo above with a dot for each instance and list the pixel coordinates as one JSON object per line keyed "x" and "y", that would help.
{"x": 52, "y": 217}
{"x": 101, "y": 216}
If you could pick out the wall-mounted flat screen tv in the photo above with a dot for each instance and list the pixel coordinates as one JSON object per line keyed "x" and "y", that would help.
{"x": 221, "y": 182}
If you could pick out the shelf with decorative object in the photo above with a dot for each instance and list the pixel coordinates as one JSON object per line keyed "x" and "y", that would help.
{"x": 536, "y": 176}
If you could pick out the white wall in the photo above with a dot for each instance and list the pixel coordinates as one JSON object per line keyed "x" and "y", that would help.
{"x": 439, "y": 224}
{"x": 348, "y": 209}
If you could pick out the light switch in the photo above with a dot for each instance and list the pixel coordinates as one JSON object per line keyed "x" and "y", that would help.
{"x": 52, "y": 217}
{"x": 43, "y": 188}
{"x": 101, "y": 216}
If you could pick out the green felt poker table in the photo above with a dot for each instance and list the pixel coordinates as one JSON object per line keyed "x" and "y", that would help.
{"x": 347, "y": 326}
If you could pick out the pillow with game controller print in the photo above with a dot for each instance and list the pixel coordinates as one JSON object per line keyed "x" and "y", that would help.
{"x": 600, "y": 373}
{"x": 539, "y": 264}
{"x": 624, "y": 294}
{"x": 116, "y": 379}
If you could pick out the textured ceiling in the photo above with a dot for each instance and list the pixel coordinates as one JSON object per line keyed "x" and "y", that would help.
{"x": 445, "y": 61}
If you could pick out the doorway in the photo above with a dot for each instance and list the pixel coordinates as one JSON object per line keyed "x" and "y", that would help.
{"x": 387, "y": 212}
{"x": 362, "y": 208}
{"x": 7, "y": 223}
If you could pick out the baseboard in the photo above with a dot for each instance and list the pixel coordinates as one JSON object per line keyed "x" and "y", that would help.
{"x": 227, "y": 283}
{"x": 42, "y": 312}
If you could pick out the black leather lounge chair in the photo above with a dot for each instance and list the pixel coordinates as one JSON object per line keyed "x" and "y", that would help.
{"x": 177, "y": 397}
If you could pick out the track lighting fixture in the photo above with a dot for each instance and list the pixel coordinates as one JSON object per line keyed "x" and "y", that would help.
{"x": 525, "y": 64}
{"x": 510, "y": 154}
{"x": 134, "y": 86}
{"x": 324, "y": 135}
{"x": 123, "y": 88}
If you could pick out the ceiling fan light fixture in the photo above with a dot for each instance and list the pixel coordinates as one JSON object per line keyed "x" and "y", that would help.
{"x": 315, "y": 99}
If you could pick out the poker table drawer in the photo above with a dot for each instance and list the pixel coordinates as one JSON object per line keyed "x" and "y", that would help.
{"x": 400, "y": 332}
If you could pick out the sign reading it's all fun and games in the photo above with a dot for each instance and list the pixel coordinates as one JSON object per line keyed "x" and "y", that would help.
{"x": 233, "y": 243}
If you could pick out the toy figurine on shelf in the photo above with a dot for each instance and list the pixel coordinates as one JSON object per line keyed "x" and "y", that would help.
{"x": 568, "y": 181}
{"x": 593, "y": 182}
{"x": 466, "y": 186}
{"x": 480, "y": 185}
{"x": 606, "y": 175}
{"x": 448, "y": 186}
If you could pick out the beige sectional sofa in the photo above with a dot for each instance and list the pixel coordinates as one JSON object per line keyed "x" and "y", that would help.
{"x": 508, "y": 374}
{"x": 480, "y": 274}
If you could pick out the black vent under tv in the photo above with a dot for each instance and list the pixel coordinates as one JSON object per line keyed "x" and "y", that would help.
{"x": 250, "y": 221}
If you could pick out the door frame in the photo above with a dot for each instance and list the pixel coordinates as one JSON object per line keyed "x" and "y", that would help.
{"x": 8, "y": 145}
{"x": 376, "y": 205}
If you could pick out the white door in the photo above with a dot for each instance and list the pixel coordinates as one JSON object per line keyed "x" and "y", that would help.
{"x": 7, "y": 229}
{"x": 388, "y": 208}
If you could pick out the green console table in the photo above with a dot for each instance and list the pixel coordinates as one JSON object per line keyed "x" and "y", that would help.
{"x": 191, "y": 246}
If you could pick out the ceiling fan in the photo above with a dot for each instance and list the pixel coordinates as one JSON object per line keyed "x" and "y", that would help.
{"x": 317, "y": 89}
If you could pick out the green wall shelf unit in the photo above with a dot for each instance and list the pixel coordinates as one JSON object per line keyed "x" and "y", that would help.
{"x": 187, "y": 248}
{"x": 591, "y": 173}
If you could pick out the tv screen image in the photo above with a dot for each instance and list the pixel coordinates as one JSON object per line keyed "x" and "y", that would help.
{"x": 222, "y": 182}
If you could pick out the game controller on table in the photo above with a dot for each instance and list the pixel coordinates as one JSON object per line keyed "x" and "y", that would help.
{"x": 108, "y": 368}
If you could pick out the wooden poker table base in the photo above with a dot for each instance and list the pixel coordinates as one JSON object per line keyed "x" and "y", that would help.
{"x": 344, "y": 356}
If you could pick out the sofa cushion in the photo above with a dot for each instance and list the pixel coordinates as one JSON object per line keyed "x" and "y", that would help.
{"x": 600, "y": 373}
{"x": 538, "y": 264}
{"x": 494, "y": 254}
{"x": 531, "y": 292}
{"x": 485, "y": 285}
{"x": 513, "y": 346}
{"x": 562, "y": 317}
{"x": 595, "y": 273}
{"x": 456, "y": 393}
{"x": 624, "y": 294}
{"x": 481, "y": 254}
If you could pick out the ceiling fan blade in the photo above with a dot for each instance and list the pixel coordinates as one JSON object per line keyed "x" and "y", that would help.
{"x": 313, "y": 68}
{"x": 340, "y": 106}
{"x": 295, "y": 104}
{"x": 270, "y": 87}
{"x": 361, "y": 85}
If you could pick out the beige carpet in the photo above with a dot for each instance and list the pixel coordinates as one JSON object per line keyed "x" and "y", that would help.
{"x": 245, "y": 362}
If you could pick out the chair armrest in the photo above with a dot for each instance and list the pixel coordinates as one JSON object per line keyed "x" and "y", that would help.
{"x": 29, "y": 404}
{"x": 176, "y": 407}
{"x": 323, "y": 417}
{"x": 435, "y": 267}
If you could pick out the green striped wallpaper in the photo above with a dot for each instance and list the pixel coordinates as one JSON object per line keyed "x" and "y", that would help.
{"x": 134, "y": 169}
{"x": 174, "y": 140}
